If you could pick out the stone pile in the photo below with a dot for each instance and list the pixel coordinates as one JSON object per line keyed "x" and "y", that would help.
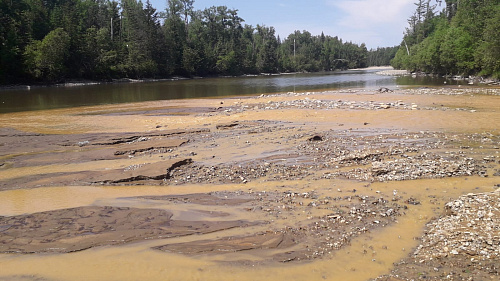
{"x": 464, "y": 244}
{"x": 470, "y": 227}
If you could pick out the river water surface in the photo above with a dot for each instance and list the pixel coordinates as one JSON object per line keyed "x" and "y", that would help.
{"x": 40, "y": 98}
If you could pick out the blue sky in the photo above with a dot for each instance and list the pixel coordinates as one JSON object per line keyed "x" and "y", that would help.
{"x": 377, "y": 23}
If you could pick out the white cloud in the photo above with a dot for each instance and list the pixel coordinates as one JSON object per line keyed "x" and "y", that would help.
{"x": 376, "y": 22}
{"x": 364, "y": 13}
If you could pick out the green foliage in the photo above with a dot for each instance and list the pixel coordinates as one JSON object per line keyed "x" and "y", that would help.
{"x": 381, "y": 56}
{"x": 488, "y": 52}
{"x": 53, "y": 40}
{"x": 266, "y": 47}
{"x": 14, "y": 25}
{"x": 457, "y": 55}
{"x": 227, "y": 64}
{"x": 46, "y": 59}
{"x": 463, "y": 39}
{"x": 303, "y": 52}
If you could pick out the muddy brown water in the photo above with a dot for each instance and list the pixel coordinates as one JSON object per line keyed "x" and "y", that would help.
{"x": 53, "y": 184}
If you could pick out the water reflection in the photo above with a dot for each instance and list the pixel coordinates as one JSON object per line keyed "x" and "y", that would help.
{"x": 426, "y": 80}
{"x": 62, "y": 97}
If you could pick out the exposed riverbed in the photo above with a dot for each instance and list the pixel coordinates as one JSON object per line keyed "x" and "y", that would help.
{"x": 332, "y": 185}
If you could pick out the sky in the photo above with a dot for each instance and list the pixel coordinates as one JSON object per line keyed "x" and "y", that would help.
{"x": 377, "y": 23}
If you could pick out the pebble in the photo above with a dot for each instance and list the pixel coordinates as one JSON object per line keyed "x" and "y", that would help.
{"x": 309, "y": 103}
{"x": 451, "y": 234}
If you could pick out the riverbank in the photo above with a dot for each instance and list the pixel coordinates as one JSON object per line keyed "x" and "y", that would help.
{"x": 271, "y": 187}
{"x": 472, "y": 80}
{"x": 79, "y": 83}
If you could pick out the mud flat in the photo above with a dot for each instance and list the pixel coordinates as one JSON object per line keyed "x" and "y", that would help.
{"x": 397, "y": 184}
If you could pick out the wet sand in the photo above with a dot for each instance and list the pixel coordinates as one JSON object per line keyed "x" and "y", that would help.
{"x": 343, "y": 185}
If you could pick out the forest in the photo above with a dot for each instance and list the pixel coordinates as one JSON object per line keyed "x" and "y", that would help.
{"x": 49, "y": 41}
{"x": 452, "y": 37}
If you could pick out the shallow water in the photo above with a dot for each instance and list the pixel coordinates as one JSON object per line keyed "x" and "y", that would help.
{"x": 138, "y": 261}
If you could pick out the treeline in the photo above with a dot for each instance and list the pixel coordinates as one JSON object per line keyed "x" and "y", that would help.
{"x": 381, "y": 56}
{"x": 54, "y": 40}
{"x": 463, "y": 38}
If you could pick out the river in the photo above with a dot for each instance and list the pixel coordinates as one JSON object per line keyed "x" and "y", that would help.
{"x": 42, "y": 98}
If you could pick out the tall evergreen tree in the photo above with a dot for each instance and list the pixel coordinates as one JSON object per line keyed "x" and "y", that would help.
{"x": 462, "y": 39}
{"x": 53, "y": 40}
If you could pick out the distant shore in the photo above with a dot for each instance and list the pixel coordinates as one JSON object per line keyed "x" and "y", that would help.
{"x": 384, "y": 70}
{"x": 472, "y": 79}
{"x": 84, "y": 82}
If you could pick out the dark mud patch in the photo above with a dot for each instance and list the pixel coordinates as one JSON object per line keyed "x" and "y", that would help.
{"x": 127, "y": 138}
{"x": 76, "y": 229}
{"x": 260, "y": 241}
{"x": 143, "y": 146}
{"x": 227, "y": 125}
{"x": 154, "y": 171}
{"x": 201, "y": 199}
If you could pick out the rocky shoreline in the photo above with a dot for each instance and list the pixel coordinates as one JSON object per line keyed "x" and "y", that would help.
{"x": 472, "y": 79}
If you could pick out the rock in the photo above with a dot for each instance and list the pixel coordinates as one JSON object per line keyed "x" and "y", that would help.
{"x": 148, "y": 145}
{"x": 385, "y": 90}
{"x": 227, "y": 125}
{"x": 316, "y": 138}
{"x": 154, "y": 171}
{"x": 412, "y": 201}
